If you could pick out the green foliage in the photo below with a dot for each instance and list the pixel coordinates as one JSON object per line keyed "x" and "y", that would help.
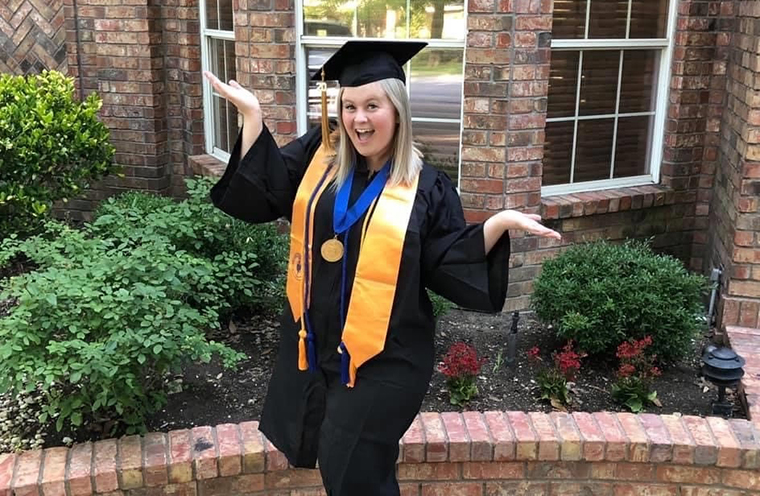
{"x": 249, "y": 259}
{"x": 51, "y": 147}
{"x": 600, "y": 294}
{"x": 461, "y": 390}
{"x": 553, "y": 385}
{"x": 441, "y": 306}
{"x": 633, "y": 392}
{"x": 101, "y": 321}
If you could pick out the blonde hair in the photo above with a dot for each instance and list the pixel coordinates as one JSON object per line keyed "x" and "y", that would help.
{"x": 406, "y": 158}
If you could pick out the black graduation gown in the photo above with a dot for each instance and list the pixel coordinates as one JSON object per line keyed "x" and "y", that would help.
{"x": 440, "y": 252}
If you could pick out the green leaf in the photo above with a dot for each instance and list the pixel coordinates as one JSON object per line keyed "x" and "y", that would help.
{"x": 141, "y": 359}
{"x": 157, "y": 349}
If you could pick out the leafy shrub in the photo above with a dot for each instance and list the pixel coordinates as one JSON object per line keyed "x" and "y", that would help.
{"x": 51, "y": 147}
{"x": 101, "y": 321}
{"x": 441, "y": 306}
{"x": 600, "y": 294}
{"x": 553, "y": 381}
{"x": 249, "y": 259}
{"x": 460, "y": 366}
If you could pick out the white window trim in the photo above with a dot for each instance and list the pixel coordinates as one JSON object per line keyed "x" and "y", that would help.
{"x": 208, "y": 92}
{"x": 303, "y": 42}
{"x": 662, "y": 86}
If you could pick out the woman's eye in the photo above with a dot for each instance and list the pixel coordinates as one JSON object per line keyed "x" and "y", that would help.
{"x": 348, "y": 107}
{"x": 372, "y": 106}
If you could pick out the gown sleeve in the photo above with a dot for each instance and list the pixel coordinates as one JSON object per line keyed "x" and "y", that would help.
{"x": 262, "y": 186}
{"x": 454, "y": 261}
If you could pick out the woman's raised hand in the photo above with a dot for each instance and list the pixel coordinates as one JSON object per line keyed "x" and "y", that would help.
{"x": 247, "y": 105}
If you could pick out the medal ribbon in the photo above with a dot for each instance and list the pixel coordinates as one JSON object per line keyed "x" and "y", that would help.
{"x": 343, "y": 217}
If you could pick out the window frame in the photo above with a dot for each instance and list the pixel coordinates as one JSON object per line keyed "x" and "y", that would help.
{"x": 661, "y": 86}
{"x": 209, "y": 124}
{"x": 304, "y": 42}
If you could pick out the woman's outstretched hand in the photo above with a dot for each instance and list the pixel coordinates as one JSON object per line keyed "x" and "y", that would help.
{"x": 247, "y": 105}
{"x": 513, "y": 220}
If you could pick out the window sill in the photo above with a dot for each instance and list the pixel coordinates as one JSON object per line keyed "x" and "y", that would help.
{"x": 606, "y": 201}
{"x": 206, "y": 165}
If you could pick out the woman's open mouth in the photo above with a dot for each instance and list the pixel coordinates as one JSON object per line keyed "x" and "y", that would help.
{"x": 364, "y": 135}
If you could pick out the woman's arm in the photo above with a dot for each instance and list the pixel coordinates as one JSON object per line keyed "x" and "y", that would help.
{"x": 512, "y": 219}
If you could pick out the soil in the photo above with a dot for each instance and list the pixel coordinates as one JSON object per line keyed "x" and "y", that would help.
{"x": 209, "y": 395}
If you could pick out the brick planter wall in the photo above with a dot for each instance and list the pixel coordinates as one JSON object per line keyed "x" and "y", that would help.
{"x": 470, "y": 454}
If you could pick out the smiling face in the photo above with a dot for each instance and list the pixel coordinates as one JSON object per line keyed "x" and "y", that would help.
{"x": 370, "y": 121}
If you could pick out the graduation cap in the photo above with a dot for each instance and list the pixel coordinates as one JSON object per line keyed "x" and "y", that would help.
{"x": 360, "y": 62}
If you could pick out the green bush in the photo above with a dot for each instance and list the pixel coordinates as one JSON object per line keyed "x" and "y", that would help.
{"x": 250, "y": 259}
{"x": 101, "y": 321}
{"x": 51, "y": 147}
{"x": 600, "y": 295}
{"x": 441, "y": 306}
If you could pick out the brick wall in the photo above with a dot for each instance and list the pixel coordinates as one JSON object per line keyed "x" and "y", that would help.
{"x": 32, "y": 36}
{"x": 736, "y": 218}
{"x": 470, "y": 454}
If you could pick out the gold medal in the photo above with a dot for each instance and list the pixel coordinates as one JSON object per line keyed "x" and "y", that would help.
{"x": 332, "y": 250}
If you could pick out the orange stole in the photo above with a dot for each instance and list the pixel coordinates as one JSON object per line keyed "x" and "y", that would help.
{"x": 374, "y": 285}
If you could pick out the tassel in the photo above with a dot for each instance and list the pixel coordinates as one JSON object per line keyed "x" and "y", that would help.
{"x": 302, "y": 362}
{"x": 325, "y": 119}
{"x": 345, "y": 360}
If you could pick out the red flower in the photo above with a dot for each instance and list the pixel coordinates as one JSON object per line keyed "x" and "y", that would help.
{"x": 626, "y": 370}
{"x": 568, "y": 361}
{"x": 461, "y": 361}
{"x": 534, "y": 354}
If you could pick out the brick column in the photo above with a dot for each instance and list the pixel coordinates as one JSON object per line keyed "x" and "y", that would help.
{"x": 265, "y": 50}
{"x": 118, "y": 46}
{"x": 505, "y": 94}
{"x": 736, "y": 216}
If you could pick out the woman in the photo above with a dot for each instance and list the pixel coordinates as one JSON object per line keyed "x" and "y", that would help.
{"x": 372, "y": 226}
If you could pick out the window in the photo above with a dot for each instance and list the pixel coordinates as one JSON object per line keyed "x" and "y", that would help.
{"x": 607, "y": 93}
{"x": 218, "y": 56}
{"x": 434, "y": 76}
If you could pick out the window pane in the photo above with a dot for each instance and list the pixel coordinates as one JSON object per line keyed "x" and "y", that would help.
{"x": 436, "y": 83}
{"x": 649, "y": 18}
{"x": 593, "y": 150}
{"x": 316, "y": 57}
{"x": 637, "y": 89}
{"x": 222, "y": 55}
{"x": 608, "y": 18}
{"x": 557, "y": 152}
{"x": 599, "y": 82}
{"x": 633, "y": 146}
{"x": 569, "y": 19}
{"x": 362, "y": 18}
{"x": 563, "y": 84}
{"x": 438, "y": 19}
{"x": 212, "y": 14}
{"x": 439, "y": 142}
{"x": 225, "y": 15}
{"x": 224, "y": 114}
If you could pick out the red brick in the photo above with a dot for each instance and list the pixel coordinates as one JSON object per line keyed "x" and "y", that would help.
{"x": 285, "y": 479}
{"x": 729, "y": 452}
{"x": 558, "y": 470}
{"x": 645, "y": 490}
{"x": 180, "y": 457}
{"x": 130, "y": 456}
{"x": 643, "y": 472}
{"x": 492, "y": 186}
{"x": 691, "y": 475}
{"x": 459, "y": 440}
{"x": 548, "y": 440}
{"x": 7, "y": 463}
{"x": 570, "y": 439}
{"x": 243, "y": 484}
{"x": 155, "y": 460}
{"x": 437, "y": 446}
{"x": 482, "y": 446}
{"x": 580, "y": 489}
{"x": 533, "y": 23}
{"x": 453, "y": 489}
{"x": 276, "y": 460}
{"x": 27, "y": 473}
{"x": 428, "y": 471}
{"x": 706, "y": 452}
{"x": 661, "y": 446}
{"x": 504, "y": 439}
{"x": 104, "y": 466}
{"x": 749, "y": 440}
{"x": 616, "y": 441}
{"x": 744, "y": 479}
{"x": 53, "y": 481}
{"x": 414, "y": 443}
{"x": 204, "y": 452}
{"x": 683, "y": 444}
{"x": 639, "y": 443}
{"x": 592, "y": 439}
{"x": 526, "y": 438}
{"x": 228, "y": 440}
{"x": 493, "y": 470}
{"x": 80, "y": 461}
{"x": 253, "y": 448}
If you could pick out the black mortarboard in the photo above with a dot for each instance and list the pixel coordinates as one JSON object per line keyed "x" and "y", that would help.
{"x": 360, "y": 62}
